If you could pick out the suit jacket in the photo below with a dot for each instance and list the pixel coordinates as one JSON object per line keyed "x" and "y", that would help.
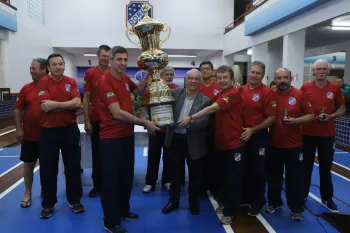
{"x": 195, "y": 133}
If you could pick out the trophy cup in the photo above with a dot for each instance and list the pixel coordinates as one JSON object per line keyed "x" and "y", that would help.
{"x": 158, "y": 98}
{"x": 285, "y": 118}
{"x": 322, "y": 115}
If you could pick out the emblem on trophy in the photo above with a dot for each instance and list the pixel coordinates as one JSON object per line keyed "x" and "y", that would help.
{"x": 322, "y": 115}
{"x": 158, "y": 98}
{"x": 285, "y": 118}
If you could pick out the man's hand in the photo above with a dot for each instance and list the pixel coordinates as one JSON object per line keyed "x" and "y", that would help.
{"x": 184, "y": 123}
{"x": 247, "y": 134}
{"x": 151, "y": 126}
{"x": 19, "y": 135}
{"x": 291, "y": 121}
{"x": 88, "y": 127}
{"x": 48, "y": 105}
{"x": 237, "y": 85}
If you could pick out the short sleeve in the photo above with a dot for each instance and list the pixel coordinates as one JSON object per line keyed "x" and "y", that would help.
{"x": 131, "y": 84}
{"x": 270, "y": 103}
{"x": 306, "y": 106}
{"x": 339, "y": 97}
{"x": 87, "y": 81}
{"x": 230, "y": 100}
{"x": 20, "y": 99}
{"x": 74, "y": 89}
{"x": 42, "y": 90}
{"x": 106, "y": 93}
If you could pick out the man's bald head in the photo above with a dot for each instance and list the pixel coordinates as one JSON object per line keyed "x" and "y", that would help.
{"x": 283, "y": 79}
{"x": 283, "y": 71}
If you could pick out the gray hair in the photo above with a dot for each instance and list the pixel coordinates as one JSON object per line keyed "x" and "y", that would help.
{"x": 41, "y": 61}
{"x": 193, "y": 70}
{"x": 260, "y": 64}
{"x": 167, "y": 68}
{"x": 117, "y": 49}
{"x": 321, "y": 61}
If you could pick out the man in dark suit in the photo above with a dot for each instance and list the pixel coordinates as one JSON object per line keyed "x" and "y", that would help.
{"x": 188, "y": 142}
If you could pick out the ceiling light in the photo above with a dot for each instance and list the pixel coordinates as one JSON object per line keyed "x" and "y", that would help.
{"x": 340, "y": 28}
{"x": 89, "y": 55}
{"x": 249, "y": 51}
{"x": 181, "y": 56}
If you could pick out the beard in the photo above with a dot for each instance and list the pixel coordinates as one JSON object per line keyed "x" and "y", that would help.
{"x": 283, "y": 87}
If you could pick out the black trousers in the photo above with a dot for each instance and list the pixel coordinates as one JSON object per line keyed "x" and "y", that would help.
{"x": 325, "y": 149}
{"x": 118, "y": 160}
{"x": 155, "y": 145}
{"x": 209, "y": 161}
{"x": 96, "y": 158}
{"x": 51, "y": 141}
{"x": 292, "y": 159}
{"x": 231, "y": 181}
{"x": 178, "y": 152}
{"x": 254, "y": 186}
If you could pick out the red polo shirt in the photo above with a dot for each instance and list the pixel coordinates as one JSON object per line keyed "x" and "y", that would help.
{"x": 111, "y": 90}
{"x": 330, "y": 96}
{"x": 90, "y": 84}
{"x": 258, "y": 104}
{"x": 283, "y": 135}
{"x": 229, "y": 120}
{"x": 211, "y": 92}
{"x": 28, "y": 101}
{"x": 61, "y": 91}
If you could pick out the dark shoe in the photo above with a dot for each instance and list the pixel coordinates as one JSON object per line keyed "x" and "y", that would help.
{"x": 77, "y": 208}
{"x": 194, "y": 208}
{"x": 254, "y": 210}
{"x": 116, "y": 229}
{"x": 271, "y": 209}
{"x": 94, "y": 192}
{"x": 297, "y": 216}
{"x": 170, "y": 207}
{"x": 131, "y": 216}
{"x": 330, "y": 205}
{"x": 46, "y": 213}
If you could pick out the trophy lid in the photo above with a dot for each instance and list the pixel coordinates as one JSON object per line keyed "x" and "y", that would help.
{"x": 146, "y": 19}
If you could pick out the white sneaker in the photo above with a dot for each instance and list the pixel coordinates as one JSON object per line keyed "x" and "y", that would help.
{"x": 167, "y": 186}
{"x": 148, "y": 188}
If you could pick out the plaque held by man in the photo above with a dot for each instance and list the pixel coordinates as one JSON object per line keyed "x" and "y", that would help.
{"x": 158, "y": 98}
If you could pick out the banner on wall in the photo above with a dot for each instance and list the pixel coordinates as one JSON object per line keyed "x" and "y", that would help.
{"x": 135, "y": 74}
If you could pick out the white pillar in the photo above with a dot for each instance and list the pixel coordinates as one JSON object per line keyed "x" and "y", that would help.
{"x": 347, "y": 65}
{"x": 293, "y": 55}
{"x": 261, "y": 53}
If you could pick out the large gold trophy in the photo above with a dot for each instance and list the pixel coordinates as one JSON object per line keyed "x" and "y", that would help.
{"x": 158, "y": 98}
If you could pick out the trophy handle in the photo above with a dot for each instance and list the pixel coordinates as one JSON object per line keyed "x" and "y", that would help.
{"x": 166, "y": 28}
{"x": 130, "y": 32}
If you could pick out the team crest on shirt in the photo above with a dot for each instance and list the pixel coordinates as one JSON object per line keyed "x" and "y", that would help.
{"x": 226, "y": 99}
{"x": 238, "y": 157}
{"x": 301, "y": 157}
{"x": 273, "y": 103}
{"x": 330, "y": 95}
{"x": 216, "y": 91}
{"x": 40, "y": 93}
{"x": 292, "y": 101}
{"x": 256, "y": 97}
{"x": 110, "y": 94}
{"x": 67, "y": 86}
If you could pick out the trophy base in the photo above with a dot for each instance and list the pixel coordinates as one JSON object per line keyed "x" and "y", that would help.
{"x": 161, "y": 113}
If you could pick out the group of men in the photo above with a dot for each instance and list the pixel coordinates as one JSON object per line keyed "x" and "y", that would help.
{"x": 251, "y": 133}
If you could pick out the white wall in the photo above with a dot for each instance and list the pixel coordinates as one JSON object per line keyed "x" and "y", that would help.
{"x": 70, "y": 63}
{"x": 235, "y": 40}
{"x": 196, "y": 24}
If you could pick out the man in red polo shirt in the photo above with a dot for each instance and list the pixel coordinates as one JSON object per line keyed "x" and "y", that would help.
{"x": 328, "y": 103}
{"x": 293, "y": 109}
{"x": 28, "y": 131}
{"x": 228, "y": 142}
{"x": 91, "y": 117}
{"x": 59, "y": 97}
{"x": 117, "y": 145}
{"x": 210, "y": 167}
{"x": 156, "y": 144}
{"x": 259, "y": 110}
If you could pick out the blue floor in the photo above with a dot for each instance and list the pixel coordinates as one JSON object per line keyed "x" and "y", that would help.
{"x": 15, "y": 219}
{"x": 8, "y": 162}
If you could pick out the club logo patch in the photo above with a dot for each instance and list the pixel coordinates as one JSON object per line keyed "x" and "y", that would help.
{"x": 216, "y": 91}
{"x": 292, "y": 101}
{"x": 330, "y": 95}
{"x": 110, "y": 94}
{"x": 261, "y": 151}
{"x": 41, "y": 93}
{"x": 237, "y": 157}
{"x": 67, "y": 87}
{"x": 256, "y": 97}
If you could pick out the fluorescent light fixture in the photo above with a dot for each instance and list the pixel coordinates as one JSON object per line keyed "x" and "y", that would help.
{"x": 89, "y": 55}
{"x": 340, "y": 28}
{"x": 249, "y": 51}
{"x": 181, "y": 56}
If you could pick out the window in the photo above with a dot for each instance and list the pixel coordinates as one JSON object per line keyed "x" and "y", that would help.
{"x": 35, "y": 9}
